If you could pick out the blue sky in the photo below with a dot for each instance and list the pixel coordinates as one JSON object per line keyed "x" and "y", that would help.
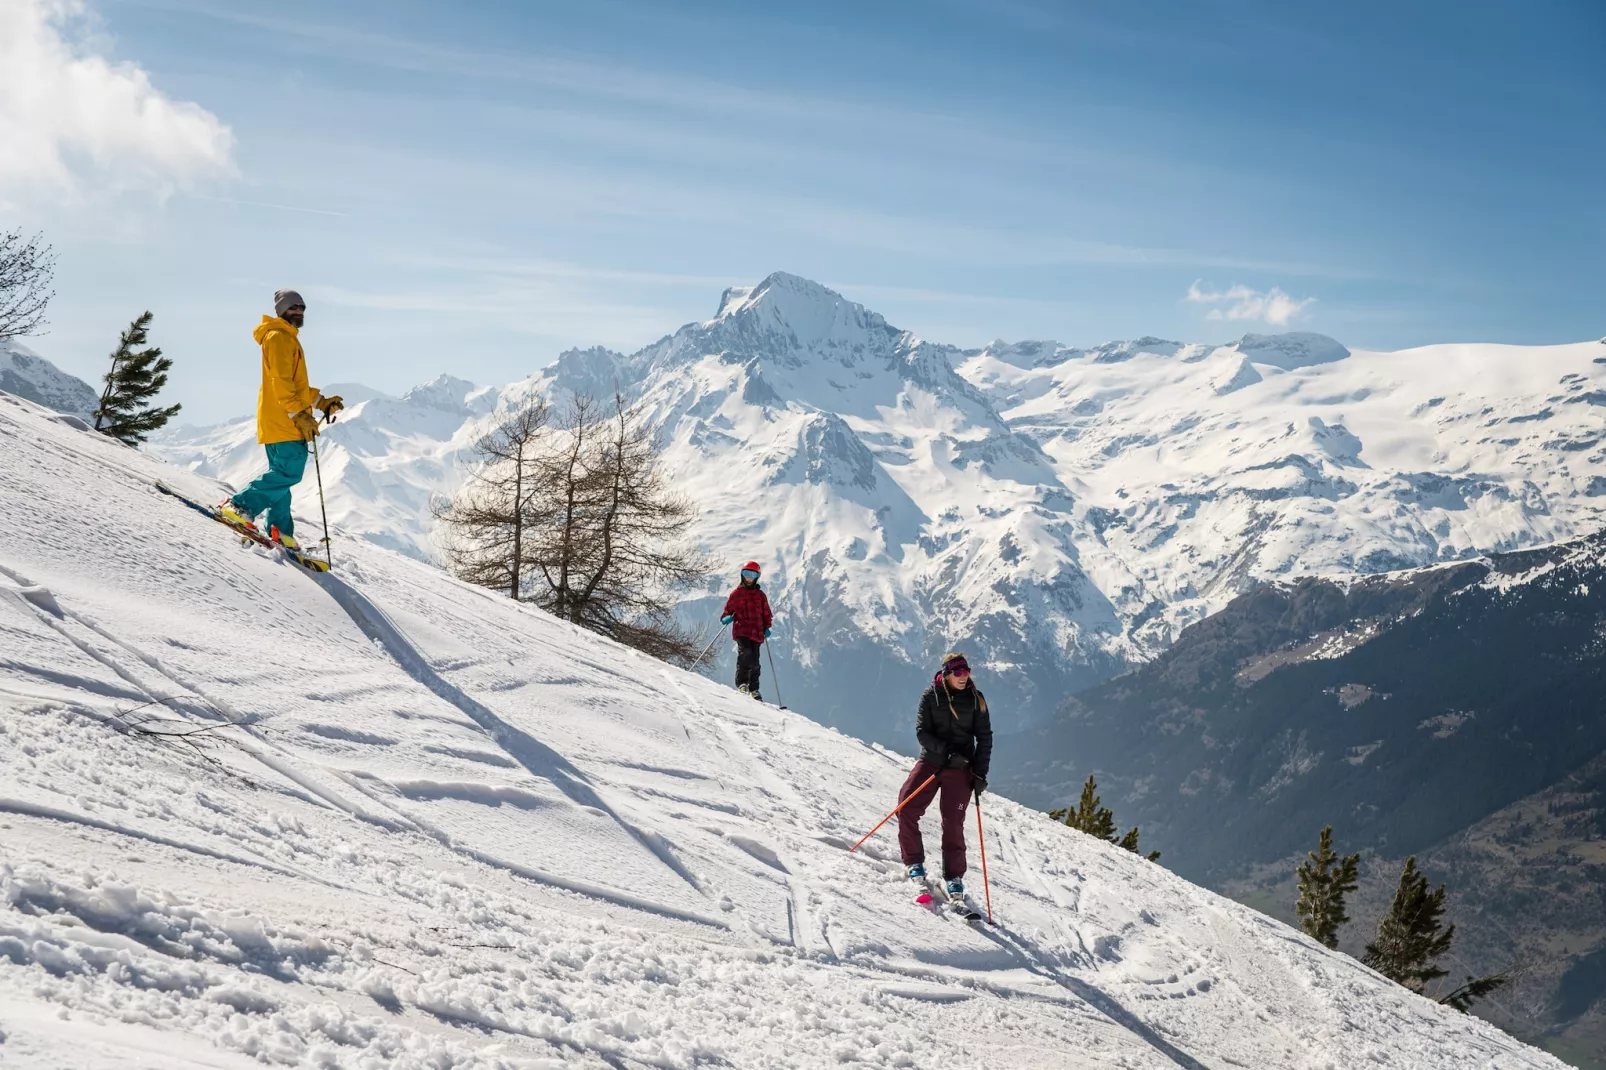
{"x": 472, "y": 188}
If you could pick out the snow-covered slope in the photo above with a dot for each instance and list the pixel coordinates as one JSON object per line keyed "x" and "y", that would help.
{"x": 1059, "y": 513}
{"x": 26, "y": 374}
{"x": 379, "y": 819}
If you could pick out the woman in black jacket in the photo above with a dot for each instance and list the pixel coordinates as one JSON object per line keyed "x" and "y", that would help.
{"x": 956, "y": 744}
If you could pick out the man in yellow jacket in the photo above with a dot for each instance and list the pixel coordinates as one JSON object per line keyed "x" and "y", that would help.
{"x": 288, "y": 411}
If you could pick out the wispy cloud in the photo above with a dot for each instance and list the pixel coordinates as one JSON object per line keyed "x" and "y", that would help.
{"x": 555, "y": 308}
{"x": 269, "y": 204}
{"x": 74, "y": 122}
{"x": 677, "y": 120}
{"x": 1239, "y": 302}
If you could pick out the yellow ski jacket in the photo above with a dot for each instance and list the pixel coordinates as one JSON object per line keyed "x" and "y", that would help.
{"x": 284, "y": 381}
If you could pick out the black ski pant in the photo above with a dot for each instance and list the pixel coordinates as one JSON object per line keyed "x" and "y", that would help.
{"x": 747, "y": 663}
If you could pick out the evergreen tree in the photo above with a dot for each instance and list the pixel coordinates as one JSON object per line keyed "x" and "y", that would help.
{"x": 1089, "y": 816}
{"x": 1412, "y": 935}
{"x": 1096, "y": 820}
{"x": 137, "y": 375}
{"x": 1474, "y": 989}
{"x": 1130, "y": 843}
{"x": 1324, "y": 881}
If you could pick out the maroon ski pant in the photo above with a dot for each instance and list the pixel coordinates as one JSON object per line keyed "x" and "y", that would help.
{"x": 955, "y": 785}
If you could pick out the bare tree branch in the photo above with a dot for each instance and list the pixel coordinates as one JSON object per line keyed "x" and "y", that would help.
{"x": 487, "y": 523}
{"x": 26, "y": 270}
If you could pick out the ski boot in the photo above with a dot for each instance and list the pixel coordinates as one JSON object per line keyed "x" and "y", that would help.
{"x": 230, "y": 514}
{"x": 955, "y": 888}
{"x": 287, "y": 541}
{"x": 917, "y": 872}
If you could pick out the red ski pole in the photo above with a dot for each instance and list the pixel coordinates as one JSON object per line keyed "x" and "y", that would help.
{"x": 894, "y": 813}
{"x": 981, "y": 839}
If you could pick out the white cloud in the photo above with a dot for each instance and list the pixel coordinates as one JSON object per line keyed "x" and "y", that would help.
{"x": 1241, "y": 303}
{"x": 73, "y": 122}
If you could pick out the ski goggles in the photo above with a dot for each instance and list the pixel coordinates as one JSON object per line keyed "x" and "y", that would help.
{"x": 749, "y": 574}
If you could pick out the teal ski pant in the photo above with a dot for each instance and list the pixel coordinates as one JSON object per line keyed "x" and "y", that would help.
{"x": 270, "y": 492}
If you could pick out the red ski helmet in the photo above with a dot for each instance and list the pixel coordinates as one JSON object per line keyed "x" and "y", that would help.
{"x": 752, "y": 565}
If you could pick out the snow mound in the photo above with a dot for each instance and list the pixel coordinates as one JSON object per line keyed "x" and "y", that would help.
{"x": 378, "y": 818}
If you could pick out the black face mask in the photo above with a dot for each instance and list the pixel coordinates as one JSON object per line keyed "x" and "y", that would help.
{"x": 295, "y": 319}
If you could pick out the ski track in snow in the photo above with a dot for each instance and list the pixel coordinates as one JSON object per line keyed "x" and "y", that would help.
{"x": 251, "y": 816}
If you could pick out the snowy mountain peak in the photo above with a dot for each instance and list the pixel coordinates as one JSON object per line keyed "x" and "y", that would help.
{"x": 1116, "y": 352}
{"x": 1046, "y": 354}
{"x": 782, "y": 292}
{"x": 597, "y": 371}
{"x": 1295, "y": 349}
{"x": 731, "y": 299}
{"x": 442, "y": 392}
{"x": 800, "y": 314}
{"x": 1028, "y": 354}
{"x": 26, "y": 374}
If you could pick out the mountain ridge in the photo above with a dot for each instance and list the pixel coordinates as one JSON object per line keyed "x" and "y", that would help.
{"x": 1066, "y": 509}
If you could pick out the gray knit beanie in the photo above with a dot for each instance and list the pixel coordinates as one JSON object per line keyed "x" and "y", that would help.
{"x": 283, "y": 300}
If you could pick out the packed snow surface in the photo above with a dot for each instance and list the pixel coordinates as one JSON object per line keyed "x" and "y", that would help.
{"x": 250, "y": 815}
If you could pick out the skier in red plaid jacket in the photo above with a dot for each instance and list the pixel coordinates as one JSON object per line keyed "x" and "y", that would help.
{"x": 747, "y": 611}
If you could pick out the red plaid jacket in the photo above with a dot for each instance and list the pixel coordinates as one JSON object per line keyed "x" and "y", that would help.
{"x": 751, "y": 608}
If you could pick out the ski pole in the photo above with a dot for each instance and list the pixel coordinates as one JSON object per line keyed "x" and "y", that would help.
{"x": 981, "y": 839}
{"x": 706, "y": 649}
{"x": 328, "y": 551}
{"x": 894, "y": 813}
{"x": 775, "y": 676}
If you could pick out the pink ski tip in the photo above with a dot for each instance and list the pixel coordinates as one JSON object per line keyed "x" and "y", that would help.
{"x": 924, "y": 897}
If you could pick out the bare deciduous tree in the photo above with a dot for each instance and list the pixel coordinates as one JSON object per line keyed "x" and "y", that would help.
{"x": 582, "y": 523}
{"x": 487, "y": 523}
{"x": 26, "y": 269}
{"x": 565, "y": 506}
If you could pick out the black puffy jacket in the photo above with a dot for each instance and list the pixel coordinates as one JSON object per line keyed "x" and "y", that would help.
{"x": 955, "y": 727}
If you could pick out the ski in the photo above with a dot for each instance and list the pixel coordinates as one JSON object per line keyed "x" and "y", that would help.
{"x": 935, "y": 896}
{"x": 957, "y": 904}
{"x": 246, "y": 534}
